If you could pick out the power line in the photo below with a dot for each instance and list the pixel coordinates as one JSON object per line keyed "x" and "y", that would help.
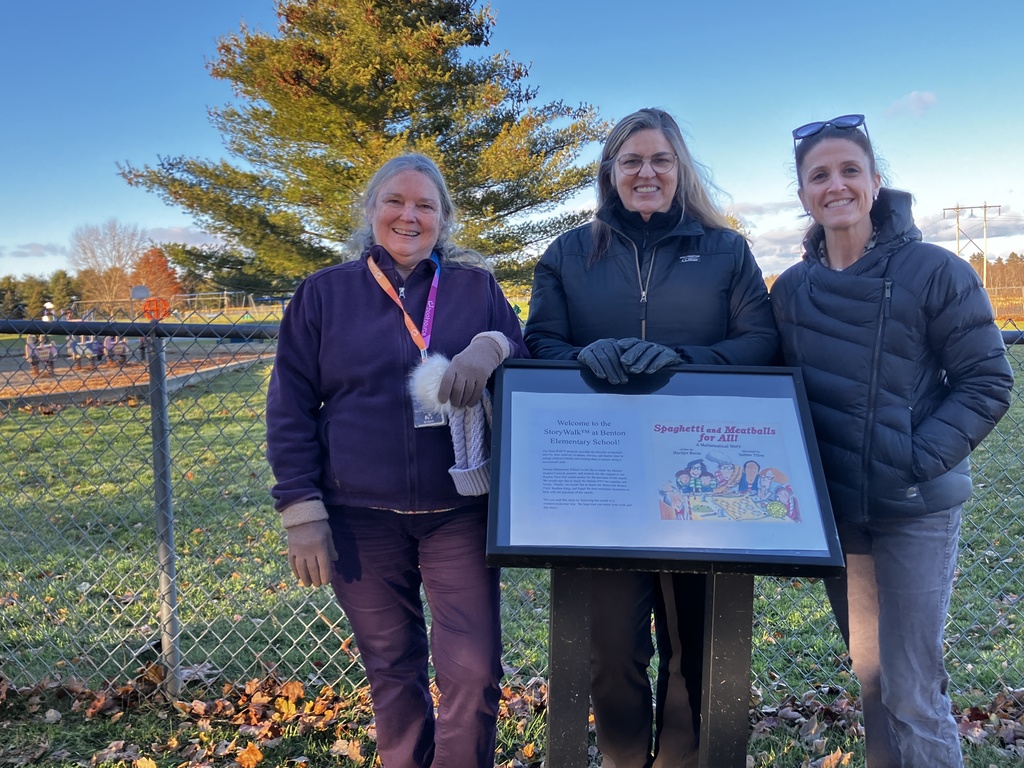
{"x": 984, "y": 212}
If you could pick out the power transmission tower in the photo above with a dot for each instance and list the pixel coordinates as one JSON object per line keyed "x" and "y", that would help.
{"x": 984, "y": 251}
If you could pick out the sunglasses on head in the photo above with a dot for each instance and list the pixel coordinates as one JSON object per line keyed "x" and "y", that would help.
{"x": 843, "y": 121}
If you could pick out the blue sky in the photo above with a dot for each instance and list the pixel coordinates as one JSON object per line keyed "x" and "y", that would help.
{"x": 88, "y": 84}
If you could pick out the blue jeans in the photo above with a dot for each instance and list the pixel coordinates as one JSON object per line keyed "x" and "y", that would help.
{"x": 383, "y": 559}
{"x": 891, "y": 606}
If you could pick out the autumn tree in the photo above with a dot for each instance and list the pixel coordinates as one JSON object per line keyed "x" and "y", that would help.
{"x": 104, "y": 257}
{"x": 341, "y": 87}
{"x": 154, "y": 271}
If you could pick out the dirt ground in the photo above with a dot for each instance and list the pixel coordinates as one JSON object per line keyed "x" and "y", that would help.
{"x": 19, "y": 383}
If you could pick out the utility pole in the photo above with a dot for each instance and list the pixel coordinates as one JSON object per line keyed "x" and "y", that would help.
{"x": 984, "y": 250}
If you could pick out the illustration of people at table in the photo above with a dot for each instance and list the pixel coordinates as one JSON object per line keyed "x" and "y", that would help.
{"x": 696, "y": 478}
{"x": 727, "y": 474}
{"x": 673, "y": 503}
{"x": 750, "y": 478}
{"x": 784, "y": 495}
{"x": 749, "y": 493}
{"x": 768, "y": 483}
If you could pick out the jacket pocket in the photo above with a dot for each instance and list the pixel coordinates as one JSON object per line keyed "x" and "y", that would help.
{"x": 893, "y": 447}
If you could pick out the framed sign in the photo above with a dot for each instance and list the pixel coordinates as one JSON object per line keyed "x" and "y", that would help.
{"x": 699, "y": 469}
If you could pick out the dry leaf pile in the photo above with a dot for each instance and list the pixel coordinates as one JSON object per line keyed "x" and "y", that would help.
{"x": 237, "y": 725}
{"x": 808, "y": 719}
{"x": 256, "y": 716}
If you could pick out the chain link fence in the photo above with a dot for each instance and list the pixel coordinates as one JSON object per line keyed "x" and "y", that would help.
{"x": 139, "y": 537}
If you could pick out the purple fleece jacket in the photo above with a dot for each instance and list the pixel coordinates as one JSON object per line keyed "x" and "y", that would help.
{"x": 339, "y": 416}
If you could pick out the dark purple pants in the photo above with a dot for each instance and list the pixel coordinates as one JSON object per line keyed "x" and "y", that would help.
{"x": 383, "y": 559}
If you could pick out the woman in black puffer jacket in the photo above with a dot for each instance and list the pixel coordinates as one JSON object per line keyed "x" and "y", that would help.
{"x": 906, "y": 373}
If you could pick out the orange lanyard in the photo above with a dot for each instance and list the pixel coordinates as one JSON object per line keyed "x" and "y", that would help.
{"x": 421, "y": 340}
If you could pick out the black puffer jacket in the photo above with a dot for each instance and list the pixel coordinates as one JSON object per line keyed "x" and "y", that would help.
{"x": 904, "y": 366}
{"x": 696, "y": 290}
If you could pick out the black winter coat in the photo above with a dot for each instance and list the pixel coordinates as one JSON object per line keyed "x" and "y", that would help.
{"x": 904, "y": 367}
{"x": 696, "y": 290}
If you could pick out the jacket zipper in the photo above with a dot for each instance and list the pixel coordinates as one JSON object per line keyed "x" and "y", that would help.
{"x": 410, "y": 430}
{"x": 410, "y": 438}
{"x": 643, "y": 284}
{"x": 869, "y": 424}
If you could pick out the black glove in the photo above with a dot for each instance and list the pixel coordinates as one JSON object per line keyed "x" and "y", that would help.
{"x": 647, "y": 356}
{"x": 602, "y": 357}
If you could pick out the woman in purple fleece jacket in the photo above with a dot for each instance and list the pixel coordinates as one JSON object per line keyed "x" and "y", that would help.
{"x": 362, "y": 470}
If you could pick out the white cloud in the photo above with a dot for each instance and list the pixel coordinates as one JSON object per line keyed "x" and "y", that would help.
{"x": 777, "y": 249}
{"x": 35, "y": 251}
{"x": 915, "y": 103}
{"x": 38, "y": 259}
{"x": 1005, "y": 231}
{"x": 753, "y": 210}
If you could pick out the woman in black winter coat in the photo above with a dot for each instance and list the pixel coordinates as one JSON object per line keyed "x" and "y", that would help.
{"x": 657, "y": 279}
{"x": 906, "y": 373}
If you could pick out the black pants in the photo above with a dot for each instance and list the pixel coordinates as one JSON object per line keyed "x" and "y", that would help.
{"x": 629, "y": 735}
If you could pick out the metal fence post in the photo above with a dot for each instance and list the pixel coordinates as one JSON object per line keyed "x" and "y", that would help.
{"x": 160, "y": 422}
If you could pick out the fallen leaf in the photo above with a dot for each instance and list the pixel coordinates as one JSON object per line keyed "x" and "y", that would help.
{"x": 249, "y": 757}
{"x": 293, "y": 691}
{"x": 285, "y": 707}
{"x": 834, "y": 760}
{"x": 812, "y": 729}
{"x": 972, "y": 731}
{"x": 355, "y": 753}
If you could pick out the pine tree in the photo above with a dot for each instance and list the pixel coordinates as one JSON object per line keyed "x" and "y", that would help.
{"x": 10, "y": 309}
{"x": 343, "y": 86}
{"x": 63, "y": 290}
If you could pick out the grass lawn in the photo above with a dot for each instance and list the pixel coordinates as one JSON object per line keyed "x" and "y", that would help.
{"x": 79, "y": 601}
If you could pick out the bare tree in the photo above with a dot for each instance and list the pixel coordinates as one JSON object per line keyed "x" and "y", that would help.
{"x": 104, "y": 257}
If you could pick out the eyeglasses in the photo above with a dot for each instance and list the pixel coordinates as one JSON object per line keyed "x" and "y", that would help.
{"x": 631, "y": 165}
{"x": 843, "y": 121}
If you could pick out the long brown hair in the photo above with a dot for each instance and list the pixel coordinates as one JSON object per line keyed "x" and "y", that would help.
{"x": 691, "y": 189}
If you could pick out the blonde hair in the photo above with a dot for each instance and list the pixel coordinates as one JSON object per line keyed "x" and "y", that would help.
{"x": 691, "y": 189}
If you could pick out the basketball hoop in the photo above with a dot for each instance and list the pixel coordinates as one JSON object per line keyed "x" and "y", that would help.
{"x": 156, "y": 309}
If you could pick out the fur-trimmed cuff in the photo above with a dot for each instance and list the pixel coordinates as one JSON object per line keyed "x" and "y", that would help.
{"x": 303, "y": 512}
{"x": 475, "y": 481}
{"x": 425, "y": 380}
{"x": 498, "y": 338}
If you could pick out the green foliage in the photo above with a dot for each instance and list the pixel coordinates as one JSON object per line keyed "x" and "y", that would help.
{"x": 343, "y": 86}
{"x": 62, "y": 288}
{"x": 10, "y": 297}
{"x": 224, "y": 268}
{"x": 515, "y": 274}
{"x": 36, "y": 292}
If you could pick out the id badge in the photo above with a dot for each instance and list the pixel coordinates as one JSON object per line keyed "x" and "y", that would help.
{"x": 421, "y": 417}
